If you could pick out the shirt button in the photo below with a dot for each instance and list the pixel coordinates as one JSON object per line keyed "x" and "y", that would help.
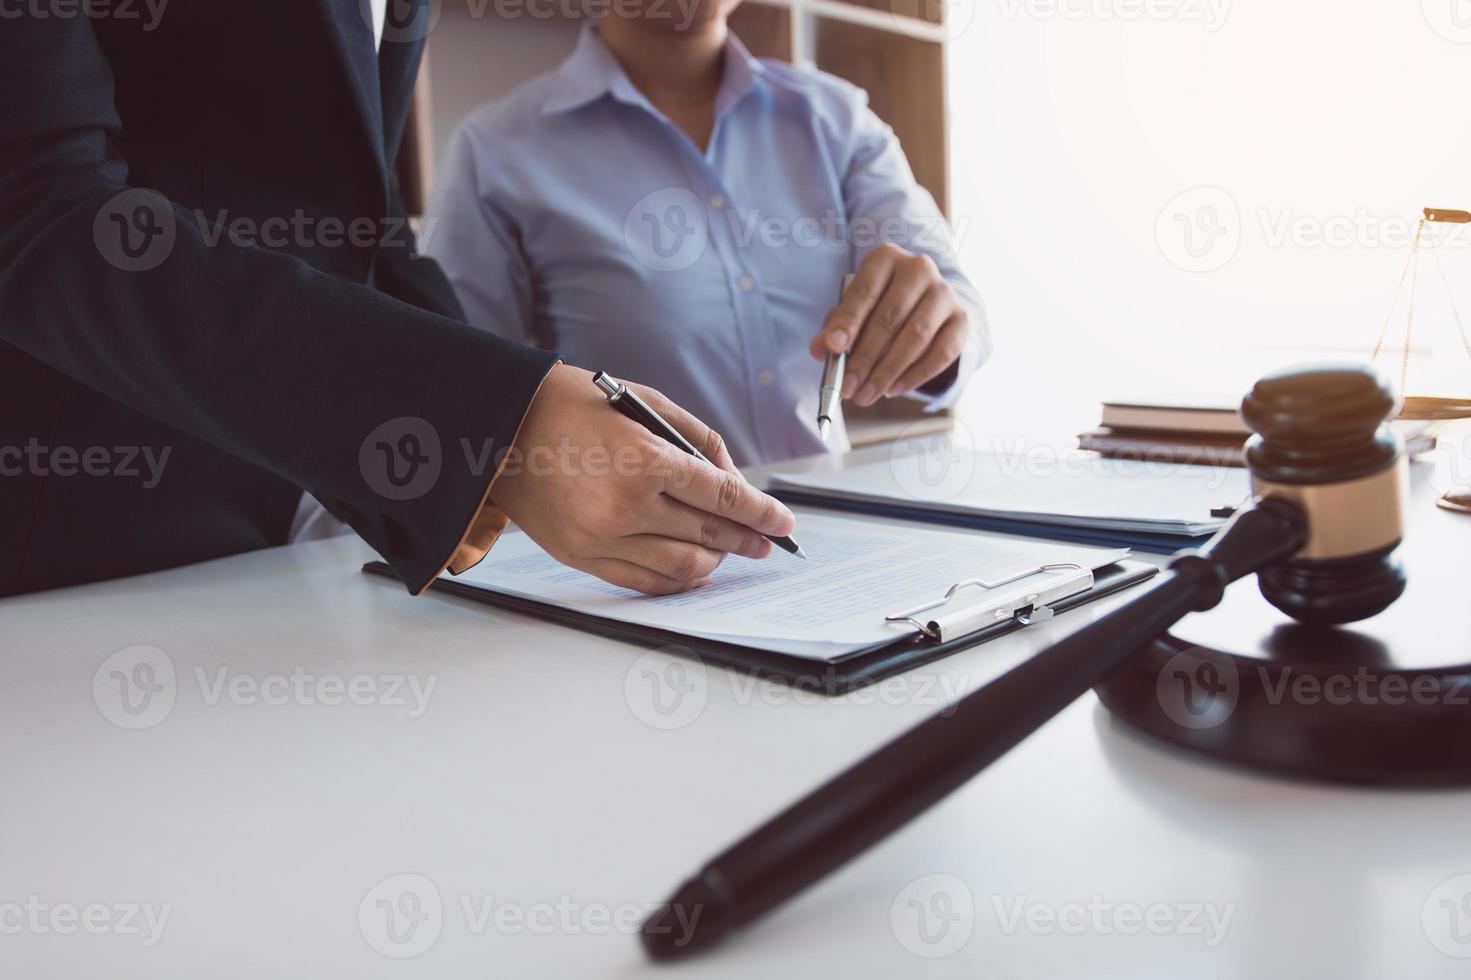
{"x": 746, "y": 283}
{"x": 764, "y": 379}
{"x": 717, "y": 201}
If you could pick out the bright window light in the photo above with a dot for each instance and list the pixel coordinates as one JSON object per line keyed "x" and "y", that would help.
{"x": 1181, "y": 194}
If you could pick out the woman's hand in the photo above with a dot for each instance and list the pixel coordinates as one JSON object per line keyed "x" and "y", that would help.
{"x": 899, "y": 320}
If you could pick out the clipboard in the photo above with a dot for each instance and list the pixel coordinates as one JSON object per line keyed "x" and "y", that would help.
{"x": 1154, "y": 542}
{"x": 940, "y": 628}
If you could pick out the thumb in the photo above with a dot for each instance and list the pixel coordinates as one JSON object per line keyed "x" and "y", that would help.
{"x": 836, "y": 335}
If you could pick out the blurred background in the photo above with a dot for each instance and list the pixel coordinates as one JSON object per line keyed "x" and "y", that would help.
{"x": 1157, "y": 198}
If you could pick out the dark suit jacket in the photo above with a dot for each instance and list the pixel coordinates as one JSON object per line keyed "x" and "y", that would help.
{"x": 289, "y": 354}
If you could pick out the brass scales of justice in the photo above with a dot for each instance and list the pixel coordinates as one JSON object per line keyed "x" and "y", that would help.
{"x": 1421, "y": 407}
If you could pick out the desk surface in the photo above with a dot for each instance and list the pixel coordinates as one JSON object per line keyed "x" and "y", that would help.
{"x": 294, "y": 804}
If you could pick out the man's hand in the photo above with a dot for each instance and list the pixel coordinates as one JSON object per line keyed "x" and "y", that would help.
{"x": 899, "y": 320}
{"x": 603, "y": 494}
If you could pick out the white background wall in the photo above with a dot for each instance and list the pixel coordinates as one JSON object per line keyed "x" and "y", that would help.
{"x": 1075, "y": 125}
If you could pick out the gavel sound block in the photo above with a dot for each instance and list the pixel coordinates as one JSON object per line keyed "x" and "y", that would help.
{"x": 1385, "y": 700}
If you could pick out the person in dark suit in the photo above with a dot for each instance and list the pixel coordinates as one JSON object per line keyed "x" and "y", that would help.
{"x": 210, "y": 302}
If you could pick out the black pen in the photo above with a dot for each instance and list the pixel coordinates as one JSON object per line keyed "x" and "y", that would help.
{"x": 635, "y": 408}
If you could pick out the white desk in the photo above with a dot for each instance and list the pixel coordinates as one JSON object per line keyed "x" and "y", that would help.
{"x": 533, "y": 779}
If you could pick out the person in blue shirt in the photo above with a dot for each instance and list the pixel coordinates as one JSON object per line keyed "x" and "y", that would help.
{"x": 670, "y": 209}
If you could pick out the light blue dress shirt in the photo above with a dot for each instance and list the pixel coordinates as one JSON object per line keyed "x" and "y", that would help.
{"x": 571, "y": 214}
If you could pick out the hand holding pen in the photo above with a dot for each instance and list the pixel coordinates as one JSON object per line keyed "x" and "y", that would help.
{"x": 617, "y": 501}
{"x": 627, "y": 401}
{"x": 900, "y": 324}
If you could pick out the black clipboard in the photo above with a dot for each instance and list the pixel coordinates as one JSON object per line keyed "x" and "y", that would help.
{"x": 855, "y": 671}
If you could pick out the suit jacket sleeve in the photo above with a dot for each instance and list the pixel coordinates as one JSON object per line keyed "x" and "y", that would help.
{"x": 391, "y": 415}
{"x": 403, "y": 273}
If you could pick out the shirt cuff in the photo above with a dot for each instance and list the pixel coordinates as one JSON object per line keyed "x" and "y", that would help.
{"x": 485, "y": 528}
{"x": 489, "y": 521}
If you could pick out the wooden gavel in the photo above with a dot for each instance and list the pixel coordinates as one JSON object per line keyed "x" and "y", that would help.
{"x": 1328, "y": 479}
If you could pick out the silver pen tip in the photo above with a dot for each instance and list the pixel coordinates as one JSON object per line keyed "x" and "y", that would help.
{"x": 800, "y": 553}
{"x": 823, "y": 425}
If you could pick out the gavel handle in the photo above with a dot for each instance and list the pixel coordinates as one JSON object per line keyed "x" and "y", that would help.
{"x": 887, "y": 789}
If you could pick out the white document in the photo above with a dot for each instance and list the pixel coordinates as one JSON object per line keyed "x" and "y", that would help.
{"x": 1074, "y": 491}
{"x": 831, "y": 605}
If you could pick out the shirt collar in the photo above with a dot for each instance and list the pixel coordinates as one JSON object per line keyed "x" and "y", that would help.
{"x": 592, "y": 72}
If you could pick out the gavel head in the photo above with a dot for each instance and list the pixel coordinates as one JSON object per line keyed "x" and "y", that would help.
{"x": 1322, "y": 442}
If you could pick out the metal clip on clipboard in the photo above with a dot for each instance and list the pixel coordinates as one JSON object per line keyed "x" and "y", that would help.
{"x": 1026, "y": 606}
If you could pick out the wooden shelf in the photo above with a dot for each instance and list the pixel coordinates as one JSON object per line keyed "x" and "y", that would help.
{"x": 886, "y": 421}
{"x": 765, "y": 29}
{"x": 905, "y": 81}
{"x": 922, "y": 19}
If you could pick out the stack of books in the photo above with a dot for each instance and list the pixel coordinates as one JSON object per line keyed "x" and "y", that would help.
{"x": 1207, "y": 435}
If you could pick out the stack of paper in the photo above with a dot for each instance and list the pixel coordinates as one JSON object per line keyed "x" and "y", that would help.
{"x": 829, "y": 607}
{"x": 1077, "y": 491}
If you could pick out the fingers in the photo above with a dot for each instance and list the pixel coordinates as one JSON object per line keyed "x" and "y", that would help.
{"x": 913, "y": 276}
{"x": 683, "y": 550}
{"x": 630, "y": 576}
{"x": 677, "y": 560}
{"x": 943, "y": 351}
{"x": 935, "y": 307}
{"x": 845, "y": 322}
{"x": 724, "y": 494}
{"x": 681, "y": 522}
{"x": 700, "y": 435}
{"x": 661, "y": 527}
